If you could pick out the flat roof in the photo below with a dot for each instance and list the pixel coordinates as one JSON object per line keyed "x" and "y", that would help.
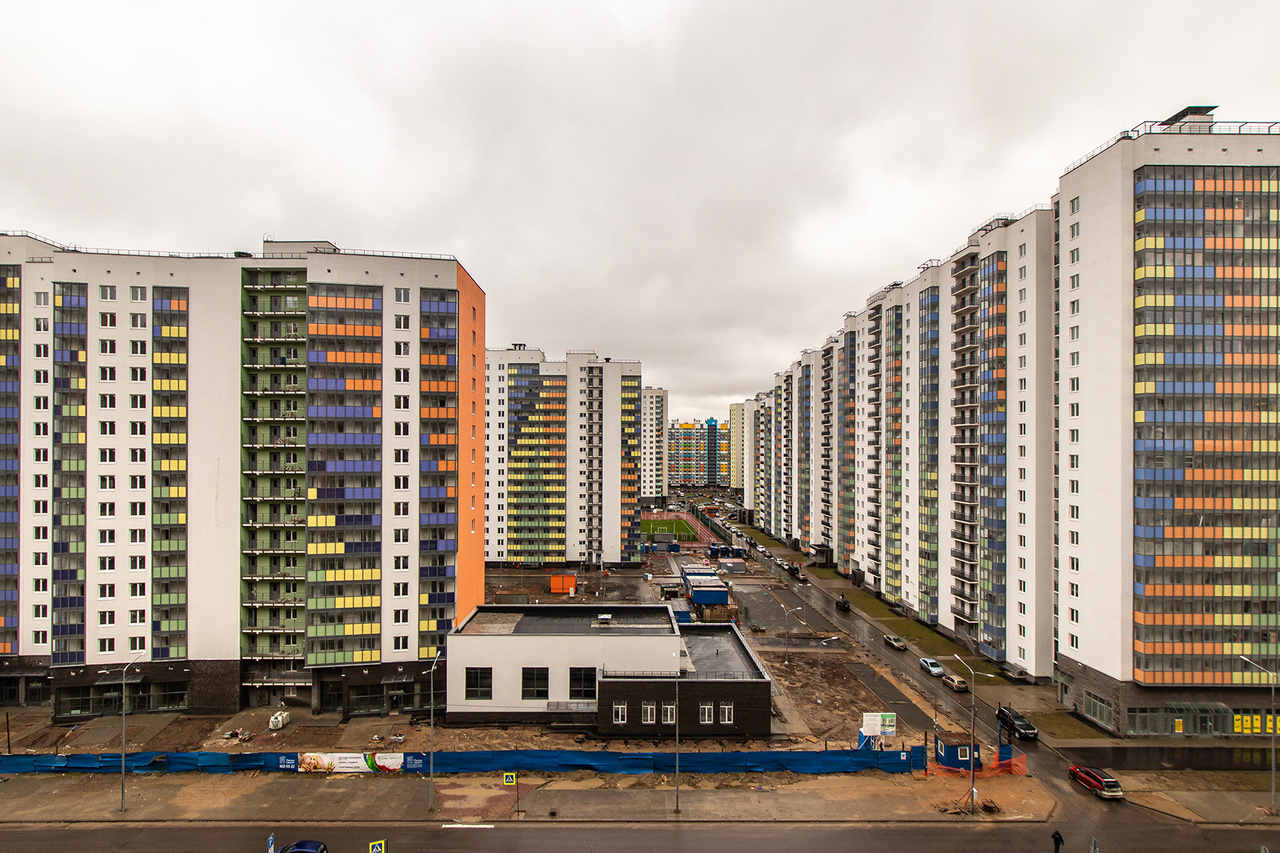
{"x": 570, "y": 619}
{"x": 717, "y": 651}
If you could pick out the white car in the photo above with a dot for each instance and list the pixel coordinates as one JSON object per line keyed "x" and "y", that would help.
{"x": 931, "y": 666}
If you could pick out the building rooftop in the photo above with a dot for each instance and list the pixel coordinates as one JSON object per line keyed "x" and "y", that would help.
{"x": 569, "y": 619}
{"x": 718, "y": 651}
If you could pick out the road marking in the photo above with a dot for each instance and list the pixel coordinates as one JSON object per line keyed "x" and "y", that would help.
{"x": 467, "y": 826}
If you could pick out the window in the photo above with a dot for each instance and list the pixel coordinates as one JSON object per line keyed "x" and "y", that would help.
{"x": 1022, "y": 339}
{"x": 106, "y": 401}
{"x": 41, "y": 454}
{"x": 726, "y": 713}
{"x": 137, "y": 374}
{"x": 42, "y": 377}
{"x": 1074, "y": 358}
{"x": 106, "y": 427}
{"x": 137, "y": 644}
{"x": 534, "y": 683}
{"x": 40, "y": 507}
{"x": 648, "y": 713}
{"x": 137, "y": 563}
{"x": 1074, "y": 305}
{"x": 1074, "y": 230}
{"x": 106, "y": 454}
{"x": 106, "y": 482}
{"x": 1022, "y": 607}
{"x": 401, "y": 482}
{"x": 401, "y": 508}
{"x": 137, "y": 454}
{"x": 137, "y": 294}
{"x": 400, "y": 534}
{"x": 1075, "y": 564}
{"x": 106, "y": 510}
{"x": 1022, "y": 250}
{"x": 1022, "y": 473}
{"x": 706, "y": 712}
{"x": 106, "y": 537}
{"x": 1075, "y": 256}
{"x": 1022, "y": 316}
{"x": 106, "y": 644}
{"x": 1022, "y": 294}
{"x": 400, "y": 644}
{"x": 402, "y": 321}
{"x": 1073, "y": 536}
{"x": 1073, "y": 511}
{"x": 1073, "y": 410}
{"x": 400, "y": 590}
{"x": 619, "y": 712}
{"x": 107, "y": 374}
{"x": 1073, "y": 435}
{"x": 106, "y": 617}
{"x": 40, "y": 611}
{"x": 137, "y": 347}
{"x": 401, "y": 427}
{"x": 42, "y": 324}
{"x": 1073, "y": 460}
{"x": 1073, "y": 486}
{"x": 1075, "y": 282}
{"x": 401, "y": 401}
{"x": 402, "y": 294}
{"x": 400, "y": 617}
{"x": 107, "y": 292}
{"x": 137, "y": 321}
{"x": 1022, "y": 361}
{"x": 42, "y": 350}
{"x": 401, "y": 563}
{"x": 40, "y": 638}
{"x": 1073, "y": 641}
{"x": 668, "y": 713}
{"x": 1022, "y": 272}
{"x": 402, "y": 374}
{"x": 42, "y": 297}
{"x": 107, "y": 319}
{"x": 582, "y": 683}
{"x": 1074, "y": 205}
{"x": 106, "y": 590}
{"x": 137, "y": 481}
{"x": 137, "y": 427}
{"x": 402, "y": 348}
{"x": 137, "y": 590}
{"x": 137, "y": 617}
{"x": 402, "y": 454}
{"x": 1074, "y": 590}
{"x": 1074, "y": 383}
{"x": 478, "y": 683}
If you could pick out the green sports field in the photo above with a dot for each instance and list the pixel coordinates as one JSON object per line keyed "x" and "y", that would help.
{"x": 681, "y": 529}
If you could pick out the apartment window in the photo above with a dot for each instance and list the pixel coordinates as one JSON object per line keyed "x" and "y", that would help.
{"x": 1022, "y": 473}
{"x": 1022, "y": 495}
{"x": 137, "y": 321}
{"x": 40, "y": 638}
{"x": 1075, "y": 282}
{"x": 1022, "y": 250}
{"x": 40, "y": 611}
{"x": 106, "y": 537}
{"x": 402, "y": 401}
{"x": 1022, "y": 339}
{"x": 137, "y": 617}
{"x": 1022, "y": 429}
{"x": 400, "y": 644}
{"x": 1073, "y": 511}
{"x": 726, "y": 713}
{"x": 1022, "y": 541}
{"x": 137, "y": 427}
{"x": 1022, "y": 518}
{"x": 400, "y": 617}
{"x": 41, "y": 454}
{"x": 401, "y": 482}
{"x": 106, "y": 482}
{"x": 402, "y": 321}
{"x": 106, "y": 510}
{"x": 137, "y": 294}
{"x": 402, "y": 348}
{"x": 1074, "y": 205}
{"x": 1022, "y": 450}
{"x": 106, "y": 401}
{"x": 402, "y": 427}
{"x": 106, "y": 645}
{"x": 1074, "y": 564}
{"x": 400, "y": 590}
{"x": 106, "y": 427}
{"x": 619, "y": 712}
{"x": 400, "y": 534}
{"x": 1022, "y": 316}
{"x": 1073, "y": 486}
{"x": 401, "y": 563}
{"x": 106, "y": 617}
{"x": 1022, "y": 272}
{"x": 402, "y": 454}
{"x": 1074, "y": 230}
{"x": 1074, "y": 383}
{"x": 1074, "y": 358}
{"x": 106, "y": 590}
{"x": 1075, "y": 256}
{"x": 1073, "y": 460}
{"x": 478, "y": 683}
{"x": 107, "y": 292}
{"x": 1074, "y": 306}
{"x": 107, "y": 374}
{"x": 137, "y": 454}
{"x": 1073, "y": 536}
{"x": 42, "y": 297}
{"x": 1022, "y": 607}
{"x": 1073, "y": 410}
{"x": 106, "y": 454}
{"x": 137, "y": 374}
{"x": 137, "y": 590}
{"x": 42, "y": 324}
{"x": 1022, "y": 361}
{"x": 137, "y": 481}
{"x": 402, "y": 294}
{"x": 107, "y": 319}
{"x": 648, "y": 713}
{"x": 706, "y": 713}
{"x": 1022, "y": 586}
{"x": 582, "y": 683}
{"x": 137, "y": 347}
{"x": 42, "y": 378}
{"x": 1022, "y": 294}
{"x": 40, "y": 507}
{"x": 42, "y": 350}
{"x": 402, "y": 374}
{"x": 668, "y": 713}
{"x": 1073, "y": 435}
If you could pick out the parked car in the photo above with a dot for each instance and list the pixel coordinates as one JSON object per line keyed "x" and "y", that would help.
{"x": 843, "y": 606}
{"x": 1007, "y": 718}
{"x": 895, "y": 642}
{"x": 956, "y": 683}
{"x": 931, "y": 666}
{"x": 1099, "y": 781}
{"x": 306, "y": 847}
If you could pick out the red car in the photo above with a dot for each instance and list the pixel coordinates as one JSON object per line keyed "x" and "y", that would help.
{"x": 1100, "y": 782}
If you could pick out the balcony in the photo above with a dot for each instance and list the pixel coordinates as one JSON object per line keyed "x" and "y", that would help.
{"x": 964, "y": 497}
{"x": 964, "y": 479}
{"x": 961, "y": 554}
{"x": 966, "y": 517}
{"x": 965, "y": 458}
{"x": 959, "y": 536}
{"x": 964, "y": 420}
{"x": 965, "y": 573}
{"x": 965, "y": 325}
{"x": 962, "y": 591}
{"x": 967, "y": 342}
{"x": 966, "y": 613}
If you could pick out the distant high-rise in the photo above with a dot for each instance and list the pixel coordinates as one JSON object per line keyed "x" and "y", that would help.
{"x": 698, "y": 453}
{"x": 563, "y": 459}
{"x": 260, "y": 477}
{"x": 654, "y": 409}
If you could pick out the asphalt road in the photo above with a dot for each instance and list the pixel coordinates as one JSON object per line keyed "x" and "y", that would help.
{"x": 1120, "y": 834}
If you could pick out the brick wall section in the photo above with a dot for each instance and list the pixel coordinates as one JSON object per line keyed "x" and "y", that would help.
{"x": 752, "y": 712}
{"x": 213, "y": 686}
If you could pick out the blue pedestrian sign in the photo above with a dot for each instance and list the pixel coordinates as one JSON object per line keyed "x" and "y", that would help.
{"x": 378, "y": 846}
{"x": 508, "y": 778}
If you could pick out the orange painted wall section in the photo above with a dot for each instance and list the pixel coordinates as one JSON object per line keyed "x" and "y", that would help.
{"x": 469, "y": 583}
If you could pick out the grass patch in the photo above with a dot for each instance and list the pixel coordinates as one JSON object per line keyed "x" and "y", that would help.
{"x": 825, "y": 574}
{"x": 1064, "y": 724}
{"x": 869, "y": 604}
{"x": 681, "y": 529}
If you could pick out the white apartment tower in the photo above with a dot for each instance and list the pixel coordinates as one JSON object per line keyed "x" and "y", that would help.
{"x": 654, "y": 411}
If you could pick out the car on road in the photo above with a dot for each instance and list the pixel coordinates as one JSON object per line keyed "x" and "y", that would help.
{"x": 931, "y": 666}
{"x": 1097, "y": 780}
{"x": 956, "y": 683}
{"x": 895, "y": 642}
{"x": 843, "y": 606}
{"x": 306, "y": 847}
{"x": 1014, "y": 721}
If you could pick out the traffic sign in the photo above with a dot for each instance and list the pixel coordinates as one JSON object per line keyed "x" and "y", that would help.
{"x": 378, "y": 846}
{"x": 508, "y": 778}
{"x": 271, "y": 843}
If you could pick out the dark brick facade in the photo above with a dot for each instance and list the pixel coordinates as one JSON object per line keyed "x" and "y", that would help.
{"x": 752, "y": 709}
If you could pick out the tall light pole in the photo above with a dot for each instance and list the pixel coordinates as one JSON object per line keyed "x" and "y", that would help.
{"x": 821, "y": 646}
{"x": 431, "y": 801}
{"x": 123, "y": 717}
{"x": 786, "y": 638}
{"x": 973, "y": 724}
{"x": 676, "y": 655}
{"x": 1272, "y": 726}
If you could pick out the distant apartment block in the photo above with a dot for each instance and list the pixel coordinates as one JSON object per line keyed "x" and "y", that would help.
{"x": 654, "y": 411}
{"x": 698, "y": 453}
{"x": 564, "y": 459}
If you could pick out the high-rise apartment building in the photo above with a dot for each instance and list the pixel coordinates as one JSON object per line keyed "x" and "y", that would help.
{"x": 251, "y": 478}
{"x": 563, "y": 459}
{"x": 698, "y": 453}
{"x": 654, "y": 411}
{"x": 1060, "y": 444}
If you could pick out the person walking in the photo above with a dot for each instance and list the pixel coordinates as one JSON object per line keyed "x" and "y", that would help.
{"x": 1057, "y": 840}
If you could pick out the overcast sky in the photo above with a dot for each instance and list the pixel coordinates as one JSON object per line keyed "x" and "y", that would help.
{"x": 707, "y": 187}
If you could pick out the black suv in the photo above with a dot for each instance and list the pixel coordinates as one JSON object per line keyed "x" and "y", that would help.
{"x": 1020, "y": 726}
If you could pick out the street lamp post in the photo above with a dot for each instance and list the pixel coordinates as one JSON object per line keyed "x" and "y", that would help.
{"x": 676, "y": 655}
{"x": 973, "y": 724}
{"x": 821, "y": 646}
{"x": 431, "y": 802}
{"x": 124, "y": 716}
{"x": 1272, "y": 726}
{"x": 786, "y": 638}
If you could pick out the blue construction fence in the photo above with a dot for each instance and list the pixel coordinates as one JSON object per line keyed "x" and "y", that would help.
{"x": 490, "y": 761}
